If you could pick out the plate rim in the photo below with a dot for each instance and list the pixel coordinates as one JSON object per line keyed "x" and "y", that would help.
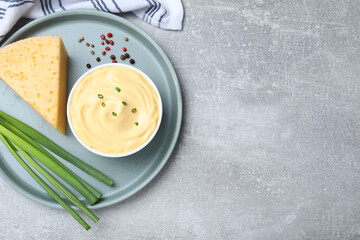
{"x": 172, "y": 145}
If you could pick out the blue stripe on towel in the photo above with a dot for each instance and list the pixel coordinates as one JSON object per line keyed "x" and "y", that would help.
{"x": 156, "y": 10}
{"x": 11, "y": 1}
{"x": 117, "y": 7}
{"x": 152, "y": 10}
{"x": 102, "y": 9}
{"x": 19, "y": 4}
{"x": 151, "y": 6}
{"x": 95, "y": 6}
{"x": 162, "y": 16}
{"x": 107, "y": 9}
{"x": 51, "y": 7}
{"x": 46, "y": 6}
{"x": 42, "y": 7}
{"x": 160, "y": 19}
{"x": 60, "y": 4}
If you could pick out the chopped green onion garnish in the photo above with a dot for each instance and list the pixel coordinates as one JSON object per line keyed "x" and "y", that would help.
{"x": 103, "y": 104}
{"x": 100, "y": 96}
{"x": 114, "y": 114}
{"x": 133, "y": 110}
{"x": 124, "y": 103}
{"x": 136, "y": 123}
{"x": 117, "y": 89}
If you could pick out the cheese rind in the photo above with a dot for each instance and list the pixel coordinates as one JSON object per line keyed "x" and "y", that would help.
{"x": 36, "y": 69}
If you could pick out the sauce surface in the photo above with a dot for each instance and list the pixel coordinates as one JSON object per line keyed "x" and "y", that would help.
{"x": 103, "y": 117}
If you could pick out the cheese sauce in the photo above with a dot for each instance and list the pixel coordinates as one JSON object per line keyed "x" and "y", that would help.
{"x": 114, "y": 110}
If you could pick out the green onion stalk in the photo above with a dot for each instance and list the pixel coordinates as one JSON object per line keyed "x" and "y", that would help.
{"x": 41, "y": 182}
{"x": 53, "y": 147}
{"x": 49, "y": 163}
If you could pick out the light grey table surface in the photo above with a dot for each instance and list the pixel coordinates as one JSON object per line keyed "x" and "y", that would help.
{"x": 269, "y": 147}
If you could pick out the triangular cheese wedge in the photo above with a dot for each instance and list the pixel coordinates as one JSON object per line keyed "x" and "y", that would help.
{"x": 36, "y": 69}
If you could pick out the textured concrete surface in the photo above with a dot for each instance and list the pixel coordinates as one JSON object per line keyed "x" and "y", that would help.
{"x": 270, "y": 142}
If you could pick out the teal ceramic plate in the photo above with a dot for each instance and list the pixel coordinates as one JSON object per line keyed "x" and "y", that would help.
{"x": 130, "y": 173}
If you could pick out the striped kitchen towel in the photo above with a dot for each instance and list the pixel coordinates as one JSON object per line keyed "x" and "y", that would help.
{"x": 167, "y": 14}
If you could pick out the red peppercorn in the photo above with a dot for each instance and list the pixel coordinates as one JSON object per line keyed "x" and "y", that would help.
{"x": 124, "y": 49}
{"x": 107, "y": 49}
{"x": 109, "y": 35}
{"x": 111, "y": 42}
{"x": 103, "y": 53}
{"x": 102, "y": 36}
{"x": 114, "y": 61}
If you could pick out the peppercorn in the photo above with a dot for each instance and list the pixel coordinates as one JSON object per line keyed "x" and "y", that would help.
{"x": 112, "y": 57}
{"x": 132, "y": 61}
{"x": 126, "y": 39}
{"x": 88, "y": 65}
{"x": 102, "y": 42}
{"x": 114, "y": 61}
{"x": 98, "y": 59}
{"x": 102, "y": 36}
{"x": 107, "y": 41}
{"x": 124, "y": 49}
{"x": 127, "y": 55}
{"x": 111, "y": 42}
{"x": 92, "y": 45}
{"x": 122, "y": 57}
{"x": 87, "y": 44}
{"x": 103, "y": 53}
{"x": 92, "y": 52}
{"x": 107, "y": 49}
{"x": 81, "y": 39}
{"x": 109, "y": 35}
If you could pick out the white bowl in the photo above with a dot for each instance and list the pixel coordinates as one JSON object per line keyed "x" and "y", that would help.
{"x": 107, "y": 154}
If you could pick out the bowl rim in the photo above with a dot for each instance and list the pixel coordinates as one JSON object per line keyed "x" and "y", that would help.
{"x": 72, "y": 93}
